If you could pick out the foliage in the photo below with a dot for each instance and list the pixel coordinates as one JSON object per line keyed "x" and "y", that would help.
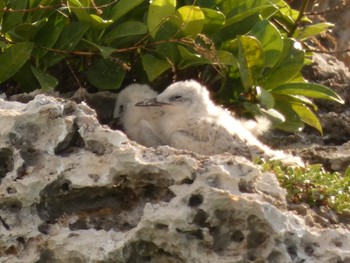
{"x": 251, "y": 49}
{"x": 313, "y": 185}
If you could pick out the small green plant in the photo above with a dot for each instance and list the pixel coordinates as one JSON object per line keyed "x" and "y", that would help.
{"x": 251, "y": 49}
{"x": 313, "y": 185}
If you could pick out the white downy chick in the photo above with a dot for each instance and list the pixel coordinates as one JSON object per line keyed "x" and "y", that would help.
{"x": 191, "y": 121}
{"x": 139, "y": 125}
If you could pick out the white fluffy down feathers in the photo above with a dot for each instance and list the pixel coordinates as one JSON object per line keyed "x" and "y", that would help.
{"x": 183, "y": 116}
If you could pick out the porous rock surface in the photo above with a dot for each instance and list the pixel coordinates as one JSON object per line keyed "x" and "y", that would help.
{"x": 72, "y": 190}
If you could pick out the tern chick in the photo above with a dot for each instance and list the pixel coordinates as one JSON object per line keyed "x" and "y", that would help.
{"x": 191, "y": 121}
{"x": 139, "y": 125}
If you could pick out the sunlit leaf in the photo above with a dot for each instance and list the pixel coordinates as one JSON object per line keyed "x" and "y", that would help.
{"x": 191, "y": 19}
{"x": 271, "y": 40}
{"x": 311, "y": 90}
{"x": 307, "y": 116}
{"x": 311, "y": 30}
{"x": 250, "y": 59}
{"x": 153, "y": 66}
{"x": 158, "y": 12}
{"x": 290, "y": 63}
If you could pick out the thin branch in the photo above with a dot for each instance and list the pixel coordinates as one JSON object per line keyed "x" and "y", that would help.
{"x": 299, "y": 18}
{"x": 335, "y": 9}
{"x": 328, "y": 51}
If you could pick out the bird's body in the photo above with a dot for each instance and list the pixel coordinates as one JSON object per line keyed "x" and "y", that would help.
{"x": 139, "y": 125}
{"x": 191, "y": 121}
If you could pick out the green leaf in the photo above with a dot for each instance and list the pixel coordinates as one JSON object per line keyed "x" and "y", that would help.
{"x": 48, "y": 35}
{"x": 159, "y": 11}
{"x": 226, "y": 58}
{"x": 212, "y": 20}
{"x": 46, "y": 81}
{"x": 191, "y": 19}
{"x": 292, "y": 121}
{"x": 313, "y": 30}
{"x": 250, "y": 59}
{"x": 271, "y": 40}
{"x": 153, "y": 66}
{"x": 105, "y": 74}
{"x": 131, "y": 28}
{"x": 307, "y": 116}
{"x": 98, "y": 22}
{"x": 189, "y": 59}
{"x": 106, "y": 52}
{"x": 290, "y": 63}
{"x": 13, "y": 58}
{"x": 265, "y": 97}
{"x": 13, "y": 19}
{"x": 27, "y": 31}
{"x": 123, "y": 7}
{"x": 311, "y": 90}
{"x": 70, "y": 36}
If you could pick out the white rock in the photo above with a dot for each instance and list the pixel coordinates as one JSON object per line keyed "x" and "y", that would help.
{"x": 84, "y": 193}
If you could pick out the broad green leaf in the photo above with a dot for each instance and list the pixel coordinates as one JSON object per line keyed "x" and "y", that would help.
{"x": 131, "y": 28}
{"x": 303, "y": 33}
{"x": 159, "y": 11}
{"x": 123, "y": 7}
{"x": 46, "y": 81}
{"x": 189, "y": 59}
{"x": 48, "y": 35}
{"x": 226, "y": 58}
{"x": 290, "y": 63}
{"x": 307, "y": 116}
{"x": 273, "y": 115}
{"x": 70, "y": 36}
{"x": 212, "y": 19}
{"x": 191, "y": 19}
{"x": 292, "y": 121}
{"x": 13, "y": 58}
{"x": 297, "y": 99}
{"x": 13, "y": 19}
{"x": 153, "y": 66}
{"x": 250, "y": 59}
{"x": 311, "y": 90}
{"x": 265, "y": 97}
{"x": 271, "y": 40}
{"x": 105, "y": 74}
{"x": 27, "y": 31}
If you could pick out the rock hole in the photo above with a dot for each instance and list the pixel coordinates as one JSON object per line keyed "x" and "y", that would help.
{"x": 6, "y": 162}
{"x": 30, "y": 156}
{"x": 70, "y": 143}
{"x": 200, "y": 218}
{"x": 4, "y": 224}
{"x": 195, "y": 200}
{"x": 256, "y": 239}
{"x": 237, "y": 236}
{"x": 246, "y": 186}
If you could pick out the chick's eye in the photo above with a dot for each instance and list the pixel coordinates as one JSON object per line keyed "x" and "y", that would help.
{"x": 176, "y": 97}
{"x": 121, "y": 108}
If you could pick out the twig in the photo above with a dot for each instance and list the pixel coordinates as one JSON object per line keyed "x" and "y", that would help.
{"x": 300, "y": 16}
{"x": 335, "y": 9}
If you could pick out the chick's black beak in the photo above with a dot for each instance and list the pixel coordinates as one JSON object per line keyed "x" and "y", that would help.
{"x": 151, "y": 103}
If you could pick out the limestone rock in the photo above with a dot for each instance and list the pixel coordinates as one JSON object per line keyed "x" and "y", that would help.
{"x": 72, "y": 190}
